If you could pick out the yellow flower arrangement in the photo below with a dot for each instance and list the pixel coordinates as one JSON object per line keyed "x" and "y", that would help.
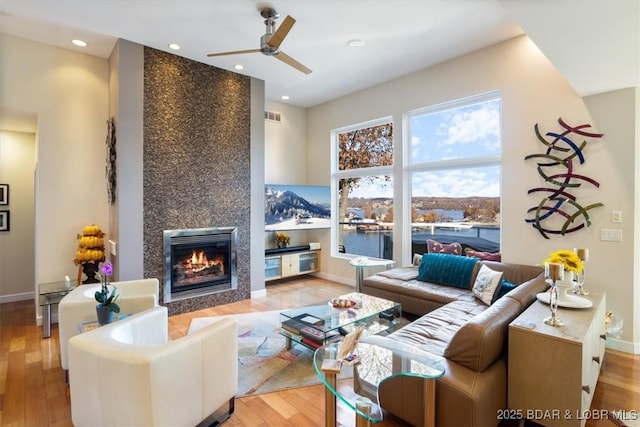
{"x": 282, "y": 239}
{"x": 567, "y": 258}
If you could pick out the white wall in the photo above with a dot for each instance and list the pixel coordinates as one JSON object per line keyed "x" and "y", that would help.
{"x": 68, "y": 93}
{"x": 17, "y": 247}
{"x": 532, "y": 92}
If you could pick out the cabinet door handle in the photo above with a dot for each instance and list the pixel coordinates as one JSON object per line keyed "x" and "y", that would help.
{"x": 603, "y": 337}
{"x": 586, "y": 388}
{"x": 596, "y": 359}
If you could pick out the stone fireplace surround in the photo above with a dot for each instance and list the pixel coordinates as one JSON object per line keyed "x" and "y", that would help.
{"x": 196, "y": 170}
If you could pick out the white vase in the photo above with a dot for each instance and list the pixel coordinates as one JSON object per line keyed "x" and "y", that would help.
{"x": 565, "y": 286}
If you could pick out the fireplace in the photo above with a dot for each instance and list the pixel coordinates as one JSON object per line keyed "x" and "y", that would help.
{"x": 199, "y": 261}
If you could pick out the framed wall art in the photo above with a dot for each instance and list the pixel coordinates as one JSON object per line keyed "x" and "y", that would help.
{"x": 4, "y": 221}
{"x": 4, "y": 194}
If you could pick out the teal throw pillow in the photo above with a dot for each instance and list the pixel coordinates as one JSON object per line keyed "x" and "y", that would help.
{"x": 505, "y": 286}
{"x": 446, "y": 269}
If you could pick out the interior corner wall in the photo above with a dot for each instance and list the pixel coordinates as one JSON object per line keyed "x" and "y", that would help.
{"x": 126, "y": 107}
{"x": 284, "y": 142}
{"x": 614, "y": 114}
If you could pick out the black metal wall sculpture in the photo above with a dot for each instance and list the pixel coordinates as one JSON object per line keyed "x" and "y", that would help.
{"x": 556, "y": 166}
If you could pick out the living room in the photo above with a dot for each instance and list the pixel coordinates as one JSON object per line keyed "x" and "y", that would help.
{"x": 69, "y": 141}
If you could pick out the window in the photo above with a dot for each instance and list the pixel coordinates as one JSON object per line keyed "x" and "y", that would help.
{"x": 363, "y": 187}
{"x": 450, "y": 172}
{"x": 454, "y": 169}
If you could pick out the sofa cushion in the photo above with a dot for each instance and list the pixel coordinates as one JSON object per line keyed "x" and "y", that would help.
{"x": 435, "y": 247}
{"x": 433, "y": 331}
{"x": 486, "y": 256}
{"x": 486, "y": 284}
{"x": 481, "y": 340}
{"x": 446, "y": 269}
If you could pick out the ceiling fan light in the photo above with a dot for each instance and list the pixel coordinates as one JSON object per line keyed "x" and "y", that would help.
{"x": 355, "y": 43}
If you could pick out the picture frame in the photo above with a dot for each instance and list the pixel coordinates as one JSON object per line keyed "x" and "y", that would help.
{"x": 5, "y": 221}
{"x": 4, "y": 194}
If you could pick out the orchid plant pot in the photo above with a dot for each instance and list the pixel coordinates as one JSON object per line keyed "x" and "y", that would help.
{"x": 104, "y": 313}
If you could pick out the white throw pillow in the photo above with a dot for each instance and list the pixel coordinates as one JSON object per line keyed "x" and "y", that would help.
{"x": 486, "y": 284}
{"x": 417, "y": 258}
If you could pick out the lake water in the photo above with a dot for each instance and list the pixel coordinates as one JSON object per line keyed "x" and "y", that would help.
{"x": 371, "y": 244}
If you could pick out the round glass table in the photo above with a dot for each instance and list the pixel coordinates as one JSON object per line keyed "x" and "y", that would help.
{"x": 379, "y": 359}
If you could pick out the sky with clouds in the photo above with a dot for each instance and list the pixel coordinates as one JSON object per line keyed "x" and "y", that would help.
{"x": 446, "y": 135}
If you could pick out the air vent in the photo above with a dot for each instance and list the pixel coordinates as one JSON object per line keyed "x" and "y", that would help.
{"x": 272, "y": 117}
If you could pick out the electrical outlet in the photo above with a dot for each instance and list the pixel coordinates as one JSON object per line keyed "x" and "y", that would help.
{"x": 616, "y": 216}
{"x": 611, "y": 235}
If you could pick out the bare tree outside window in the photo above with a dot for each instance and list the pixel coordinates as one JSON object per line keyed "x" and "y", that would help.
{"x": 360, "y": 149}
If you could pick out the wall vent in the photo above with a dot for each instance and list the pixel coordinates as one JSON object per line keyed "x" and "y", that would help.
{"x": 272, "y": 117}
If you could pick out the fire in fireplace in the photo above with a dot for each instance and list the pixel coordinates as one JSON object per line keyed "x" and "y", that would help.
{"x": 199, "y": 261}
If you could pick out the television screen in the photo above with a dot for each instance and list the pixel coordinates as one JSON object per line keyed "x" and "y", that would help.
{"x": 297, "y": 207}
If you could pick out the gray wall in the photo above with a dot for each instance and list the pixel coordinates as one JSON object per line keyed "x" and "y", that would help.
{"x": 197, "y": 170}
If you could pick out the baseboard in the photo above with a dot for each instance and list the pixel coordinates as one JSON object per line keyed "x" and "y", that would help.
{"x": 260, "y": 293}
{"x": 339, "y": 279}
{"x": 623, "y": 346}
{"x": 16, "y": 297}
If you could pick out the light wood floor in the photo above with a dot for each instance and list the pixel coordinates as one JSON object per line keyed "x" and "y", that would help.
{"x": 33, "y": 392}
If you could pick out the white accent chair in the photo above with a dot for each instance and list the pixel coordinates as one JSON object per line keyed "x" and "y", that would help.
{"x": 127, "y": 373}
{"x": 79, "y": 306}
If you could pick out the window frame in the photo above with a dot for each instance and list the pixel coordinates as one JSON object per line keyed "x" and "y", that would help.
{"x": 410, "y": 167}
{"x": 337, "y": 175}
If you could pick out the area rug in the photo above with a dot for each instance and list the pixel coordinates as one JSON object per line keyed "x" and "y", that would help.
{"x": 264, "y": 363}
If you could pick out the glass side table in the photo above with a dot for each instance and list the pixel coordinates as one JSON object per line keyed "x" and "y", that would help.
{"x": 380, "y": 358}
{"x": 50, "y": 294}
{"x": 361, "y": 263}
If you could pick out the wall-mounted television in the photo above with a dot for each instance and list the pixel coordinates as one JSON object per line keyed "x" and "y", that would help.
{"x": 297, "y": 207}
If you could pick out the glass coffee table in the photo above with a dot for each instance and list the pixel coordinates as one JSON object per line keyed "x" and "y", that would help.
{"x": 380, "y": 358}
{"x": 317, "y": 325}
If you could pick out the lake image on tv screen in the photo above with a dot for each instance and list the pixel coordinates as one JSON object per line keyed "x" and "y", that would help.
{"x": 297, "y": 207}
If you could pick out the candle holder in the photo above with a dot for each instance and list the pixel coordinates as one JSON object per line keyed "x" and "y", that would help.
{"x": 583, "y": 254}
{"x": 553, "y": 271}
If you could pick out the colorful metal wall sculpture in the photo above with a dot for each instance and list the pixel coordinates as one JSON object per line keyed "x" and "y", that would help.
{"x": 556, "y": 166}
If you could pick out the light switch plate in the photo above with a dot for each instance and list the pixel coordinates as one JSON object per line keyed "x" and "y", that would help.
{"x": 616, "y": 216}
{"x": 113, "y": 247}
{"x": 611, "y": 235}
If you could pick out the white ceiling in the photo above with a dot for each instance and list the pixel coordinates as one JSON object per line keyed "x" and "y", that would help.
{"x": 593, "y": 43}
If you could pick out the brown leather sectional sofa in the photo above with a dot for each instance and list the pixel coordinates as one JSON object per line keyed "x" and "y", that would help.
{"x": 469, "y": 335}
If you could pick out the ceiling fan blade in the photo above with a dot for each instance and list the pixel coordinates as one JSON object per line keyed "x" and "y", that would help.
{"x": 234, "y": 52}
{"x": 290, "y": 61}
{"x": 278, "y": 37}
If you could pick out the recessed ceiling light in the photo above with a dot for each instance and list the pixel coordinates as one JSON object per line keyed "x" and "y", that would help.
{"x": 239, "y": 67}
{"x": 174, "y": 46}
{"x": 285, "y": 97}
{"x": 79, "y": 42}
{"x": 355, "y": 43}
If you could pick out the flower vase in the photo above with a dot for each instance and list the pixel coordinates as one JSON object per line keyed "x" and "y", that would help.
{"x": 90, "y": 269}
{"x": 565, "y": 286}
{"x": 104, "y": 313}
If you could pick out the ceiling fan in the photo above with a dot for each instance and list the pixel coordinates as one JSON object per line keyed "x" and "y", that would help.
{"x": 270, "y": 42}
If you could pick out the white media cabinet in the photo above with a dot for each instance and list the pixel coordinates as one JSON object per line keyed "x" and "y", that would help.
{"x": 289, "y": 262}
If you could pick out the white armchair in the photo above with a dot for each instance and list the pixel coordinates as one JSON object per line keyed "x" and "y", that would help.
{"x": 128, "y": 373}
{"x": 79, "y": 306}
